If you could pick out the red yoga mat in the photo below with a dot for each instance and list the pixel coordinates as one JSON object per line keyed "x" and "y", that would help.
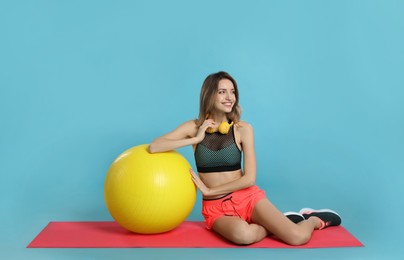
{"x": 188, "y": 234}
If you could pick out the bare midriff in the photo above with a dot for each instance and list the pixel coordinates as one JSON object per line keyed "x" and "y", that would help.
{"x": 215, "y": 179}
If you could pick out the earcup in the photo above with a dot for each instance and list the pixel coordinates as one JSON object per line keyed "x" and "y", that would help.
{"x": 223, "y": 128}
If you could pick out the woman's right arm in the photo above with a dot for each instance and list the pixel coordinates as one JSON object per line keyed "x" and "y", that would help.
{"x": 184, "y": 135}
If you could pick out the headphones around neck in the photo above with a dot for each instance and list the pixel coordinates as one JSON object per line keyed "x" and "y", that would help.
{"x": 223, "y": 128}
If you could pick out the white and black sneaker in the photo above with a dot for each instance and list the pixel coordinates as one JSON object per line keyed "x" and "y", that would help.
{"x": 328, "y": 217}
{"x": 294, "y": 216}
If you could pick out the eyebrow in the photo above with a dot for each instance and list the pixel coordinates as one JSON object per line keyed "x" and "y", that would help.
{"x": 225, "y": 89}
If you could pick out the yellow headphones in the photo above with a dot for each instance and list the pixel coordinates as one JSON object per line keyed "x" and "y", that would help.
{"x": 223, "y": 128}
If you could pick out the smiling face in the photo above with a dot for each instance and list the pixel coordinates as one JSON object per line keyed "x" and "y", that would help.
{"x": 225, "y": 97}
{"x": 219, "y": 94}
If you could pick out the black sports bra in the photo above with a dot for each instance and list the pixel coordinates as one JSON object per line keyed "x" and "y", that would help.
{"x": 218, "y": 153}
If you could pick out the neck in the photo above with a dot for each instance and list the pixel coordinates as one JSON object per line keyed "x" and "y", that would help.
{"x": 218, "y": 118}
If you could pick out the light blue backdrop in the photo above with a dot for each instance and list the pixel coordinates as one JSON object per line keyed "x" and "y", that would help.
{"x": 320, "y": 81}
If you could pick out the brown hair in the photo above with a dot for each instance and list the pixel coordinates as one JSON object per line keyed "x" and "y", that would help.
{"x": 207, "y": 97}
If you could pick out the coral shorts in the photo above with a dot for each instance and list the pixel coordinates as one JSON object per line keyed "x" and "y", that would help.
{"x": 239, "y": 203}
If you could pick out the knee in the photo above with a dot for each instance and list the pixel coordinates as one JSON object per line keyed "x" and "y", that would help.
{"x": 243, "y": 235}
{"x": 297, "y": 238}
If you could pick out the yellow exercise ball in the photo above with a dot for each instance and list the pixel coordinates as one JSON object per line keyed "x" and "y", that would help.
{"x": 149, "y": 193}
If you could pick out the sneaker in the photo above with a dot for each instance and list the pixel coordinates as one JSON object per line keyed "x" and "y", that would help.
{"x": 294, "y": 216}
{"x": 328, "y": 217}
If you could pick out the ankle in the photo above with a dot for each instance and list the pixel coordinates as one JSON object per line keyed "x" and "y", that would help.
{"x": 318, "y": 223}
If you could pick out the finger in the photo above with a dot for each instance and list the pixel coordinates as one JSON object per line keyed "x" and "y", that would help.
{"x": 191, "y": 171}
{"x": 193, "y": 175}
{"x": 209, "y": 121}
{"x": 204, "y": 127}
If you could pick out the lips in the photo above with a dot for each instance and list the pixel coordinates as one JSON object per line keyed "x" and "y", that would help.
{"x": 228, "y": 105}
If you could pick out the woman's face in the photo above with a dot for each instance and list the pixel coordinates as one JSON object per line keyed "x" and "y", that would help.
{"x": 225, "y": 96}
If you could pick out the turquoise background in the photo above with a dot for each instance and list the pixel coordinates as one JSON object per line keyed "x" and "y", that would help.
{"x": 322, "y": 82}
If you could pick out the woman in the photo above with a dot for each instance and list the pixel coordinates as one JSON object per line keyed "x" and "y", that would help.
{"x": 233, "y": 206}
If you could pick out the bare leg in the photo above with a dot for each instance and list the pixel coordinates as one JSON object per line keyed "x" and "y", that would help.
{"x": 267, "y": 215}
{"x": 239, "y": 231}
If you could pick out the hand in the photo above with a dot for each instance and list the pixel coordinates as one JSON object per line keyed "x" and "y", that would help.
{"x": 199, "y": 183}
{"x": 202, "y": 129}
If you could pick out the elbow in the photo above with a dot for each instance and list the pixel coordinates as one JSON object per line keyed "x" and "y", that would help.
{"x": 250, "y": 181}
{"x": 156, "y": 147}
{"x": 152, "y": 148}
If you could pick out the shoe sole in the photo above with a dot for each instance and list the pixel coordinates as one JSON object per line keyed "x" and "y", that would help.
{"x": 291, "y": 213}
{"x": 295, "y": 217}
{"x": 309, "y": 210}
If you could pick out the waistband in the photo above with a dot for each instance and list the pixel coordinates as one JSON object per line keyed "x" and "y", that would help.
{"x": 220, "y": 198}
{"x": 236, "y": 194}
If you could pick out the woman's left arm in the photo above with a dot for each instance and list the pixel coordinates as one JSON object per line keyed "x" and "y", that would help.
{"x": 250, "y": 166}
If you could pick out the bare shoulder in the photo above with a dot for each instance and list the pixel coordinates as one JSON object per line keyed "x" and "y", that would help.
{"x": 189, "y": 127}
{"x": 244, "y": 126}
{"x": 190, "y": 123}
{"x": 244, "y": 131}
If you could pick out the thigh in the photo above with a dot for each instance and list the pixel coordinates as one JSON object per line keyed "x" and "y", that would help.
{"x": 272, "y": 219}
{"x": 227, "y": 225}
{"x": 238, "y": 231}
